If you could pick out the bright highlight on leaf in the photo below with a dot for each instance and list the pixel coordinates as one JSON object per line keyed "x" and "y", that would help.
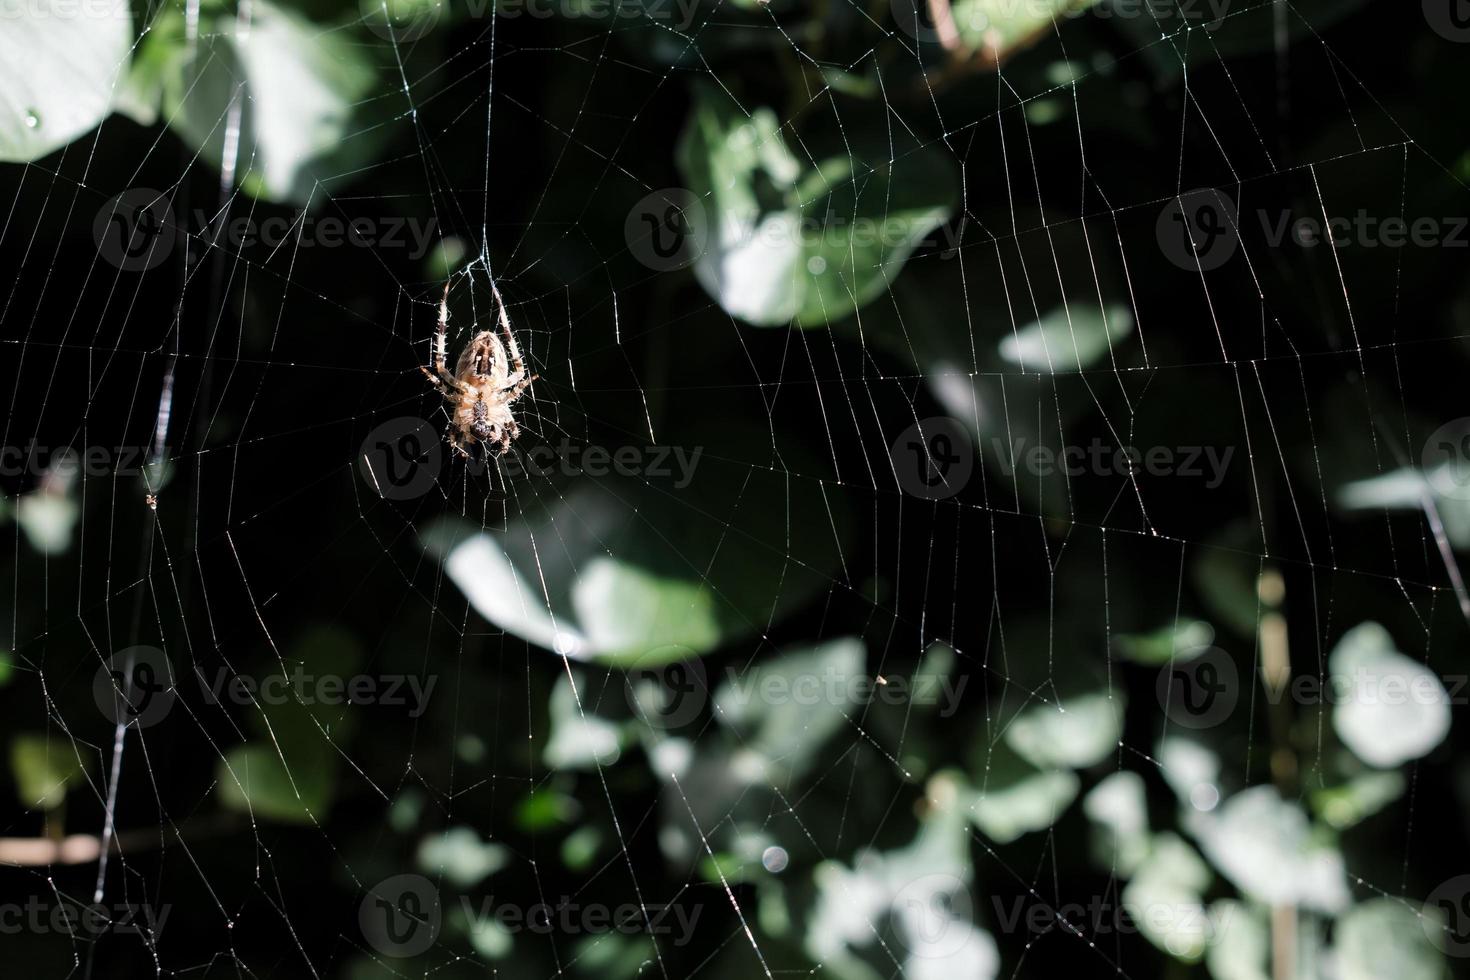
{"x": 804, "y": 228}
{"x": 62, "y": 64}
{"x": 1389, "y": 709}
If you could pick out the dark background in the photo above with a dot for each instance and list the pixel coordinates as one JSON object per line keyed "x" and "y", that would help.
{"x": 285, "y": 361}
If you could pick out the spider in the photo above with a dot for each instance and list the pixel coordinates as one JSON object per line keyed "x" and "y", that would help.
{"x": 485, "y": 384}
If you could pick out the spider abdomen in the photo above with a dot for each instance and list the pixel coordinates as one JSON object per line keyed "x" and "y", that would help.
{"x": 480, "y": 420}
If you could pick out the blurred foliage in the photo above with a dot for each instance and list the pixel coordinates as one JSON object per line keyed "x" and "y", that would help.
{"x": 903, "y": 213}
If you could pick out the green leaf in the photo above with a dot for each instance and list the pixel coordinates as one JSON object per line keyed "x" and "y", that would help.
{"x": 724, "y": 868}
{"x": 160, "y": 54}
{"x": 1266, "y": 847}
{"x": 806, "y": 235}
{"x": 1033, "y": 802}
{"x": 1165, "y": 900}
{"x": 1388, "y": 709}
{"x": 775, "y": 719}
{"x": 1068, "y": 339}
{"x": 1075, "y": 732}
{"x": 930, "y": 689}
{"x": 850, "y": 83}
{"x": 1119, "y": 807}
{"x": 490, "y": 938}
{"x": 460, "y": 856}
{"x": 1383, "y": 937}
{"x": 640, "y": 598}
{"x": 1015, "y": 798}
{"x": 580, "y": 848}
{"x": 1408, "y": 489}
{"x": 406, "y": 811}
{"x": 1401, "y": 489}
{"x": 296, "y": 716}
{"x": 630, "y": 571}
{"x": 999, "y": 27}
{"x": 60, "y": 64}
{"x": 1358, "y": 799}
{"x": 252, "y": 779}
{"x": 579, "y": 738}
{"x": 922, "y": 889}
{"x": 545, "y": 807}
{"x": 42, "y": 769}
{"x": 1225, "y": 573}
{"x": 289, "y": 771}
{"x": 1191, "y": 769}
{"x": 298, "y": 86}
{"x": 48, "y": 517}
{"x": 614, "y": 956}
{"x": 769, "y": 704}
{"x": 1242, "y": 944}
{"x": 1164, "y": 644}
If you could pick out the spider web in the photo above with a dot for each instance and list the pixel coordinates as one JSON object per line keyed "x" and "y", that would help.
{"x": 870, "y": 495}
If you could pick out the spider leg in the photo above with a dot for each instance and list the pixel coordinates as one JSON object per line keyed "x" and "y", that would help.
{"x": 516, "y": 364}
{"x": 441, "y": 336}
{"x": 499, "y": 365}
{"x": 457, "y": 445}
{"x": 445, "y": 382}
{"x": 436, "y": 381}
{"x": 507, "y": 436}
{"x": 448, "y": 385}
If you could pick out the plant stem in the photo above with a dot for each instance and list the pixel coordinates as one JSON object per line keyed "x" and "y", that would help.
{"x": 1276, "y": 677}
